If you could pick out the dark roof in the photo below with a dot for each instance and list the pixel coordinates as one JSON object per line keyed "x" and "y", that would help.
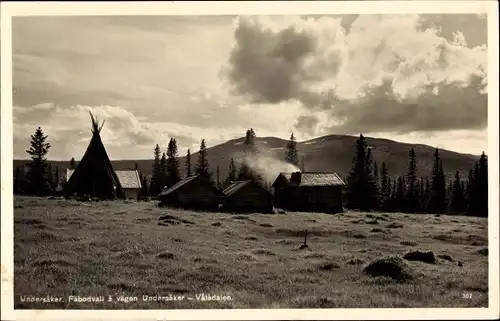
{"x": 317, "y": 179}
{"x": 178, "y": 185}
{"x": 128, "y": 178}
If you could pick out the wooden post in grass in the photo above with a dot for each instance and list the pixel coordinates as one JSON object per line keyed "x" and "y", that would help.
{"x": 303, "y": 246}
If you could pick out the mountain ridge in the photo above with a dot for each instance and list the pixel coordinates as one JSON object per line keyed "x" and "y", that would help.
{"x": 329, "y": 153}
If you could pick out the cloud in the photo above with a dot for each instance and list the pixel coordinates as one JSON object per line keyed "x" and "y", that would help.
{"x": 388, "y": 73}
{"x": 124, "y": 135}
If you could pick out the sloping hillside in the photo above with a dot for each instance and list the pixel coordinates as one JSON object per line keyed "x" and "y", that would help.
{"x": 328, "y": 153}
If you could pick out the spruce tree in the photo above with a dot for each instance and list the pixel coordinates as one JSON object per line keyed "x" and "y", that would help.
{"x": 37, "y": 176}
{"x": 457, "y": 204}
{"x": 385, "y": 188}
{"x": 202, "y": 168}
{"x": 356, "y": 181}
{"x": 482, "y": 202}
{"x": 370, "y": 201}
{"x": 437, "y": 200}
{"x": 232, "y": 172}
{"x": 155, "y": 184}
{"x": 291, "y": 154}
{"x": 399, "y": 200}
{"x": 172, "y": 172}
{"x": 188, "y": 163}
{"x": 250, "y": 150}
{"x": 72, "y": 163}
{"x": 411, "y": 197}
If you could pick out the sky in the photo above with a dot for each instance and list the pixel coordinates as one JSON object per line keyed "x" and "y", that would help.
{"x": 411, "y": 78}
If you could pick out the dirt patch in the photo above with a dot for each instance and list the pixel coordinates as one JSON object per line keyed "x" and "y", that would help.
{"x": 165, "y": 255}
{"x": 408, "y": 243}
{"x": 174, "y": 220}
{"x": 426, "y": 257}
{"x": 355, "y": 262}
{"x": 328, "y": 266}
{"x": 373, "y": 222}
{"x": 393, "y": 267}
{"x": 395, "y": 225}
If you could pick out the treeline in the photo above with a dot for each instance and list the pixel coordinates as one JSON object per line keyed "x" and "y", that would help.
{"x": 371, "y": 189}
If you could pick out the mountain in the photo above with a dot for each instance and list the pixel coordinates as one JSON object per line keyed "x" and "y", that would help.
{"x": 327, "y": 153}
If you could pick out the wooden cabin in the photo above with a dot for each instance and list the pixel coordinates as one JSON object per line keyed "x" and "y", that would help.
{"x": 246, "y": 197}
{"x": 193, "y": 192}
{"x": 309, "y": 192}
{"x": 129, "y": 180}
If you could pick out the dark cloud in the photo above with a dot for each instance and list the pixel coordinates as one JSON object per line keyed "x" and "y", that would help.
{"x": 388, "y": 74}
{"x": 266, "y": 66}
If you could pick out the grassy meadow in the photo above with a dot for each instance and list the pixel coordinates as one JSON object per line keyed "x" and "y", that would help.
{"x": 65, "y": 247}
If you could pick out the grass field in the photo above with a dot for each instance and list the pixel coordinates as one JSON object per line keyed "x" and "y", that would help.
{"x": 64, "y": 248}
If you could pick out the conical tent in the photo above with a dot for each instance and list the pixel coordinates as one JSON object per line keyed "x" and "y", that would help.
{"x": 94, "y": 175}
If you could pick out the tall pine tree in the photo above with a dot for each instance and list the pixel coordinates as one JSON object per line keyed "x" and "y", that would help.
{"x": 250, "y": 150}
{"x": 72, "y": 163}
{"x": 411, "y": 199}
{"x": 360, "y": 189}
{"x": 437, "y": 197}
{"x": 483, "y": 186}
{"x": 291, "y": 153}
{"x": 37, "y": 176}
{"x": 202, "y": 168}
{"x": 232, "y": 173}
{"x": 155, "y": 183}
{"x": 188, "y": 163}
{"x": 457, "y": 204}
{"x": 399, "y": 196}
{"x": 371, "y": 196}
{"x": 173, "y": 174}
{"x": 385, "y": 188}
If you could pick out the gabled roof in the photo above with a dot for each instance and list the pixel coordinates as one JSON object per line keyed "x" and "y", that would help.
{"x": 178, "y": 185}
{"x": 127, "y": 178}
{"x": 316, "y": 179}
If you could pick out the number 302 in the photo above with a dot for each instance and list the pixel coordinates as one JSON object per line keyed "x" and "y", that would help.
{"x": 466, "y": 295}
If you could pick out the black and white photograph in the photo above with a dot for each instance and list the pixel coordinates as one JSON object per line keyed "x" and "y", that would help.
{"x": 324, "y": 161}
